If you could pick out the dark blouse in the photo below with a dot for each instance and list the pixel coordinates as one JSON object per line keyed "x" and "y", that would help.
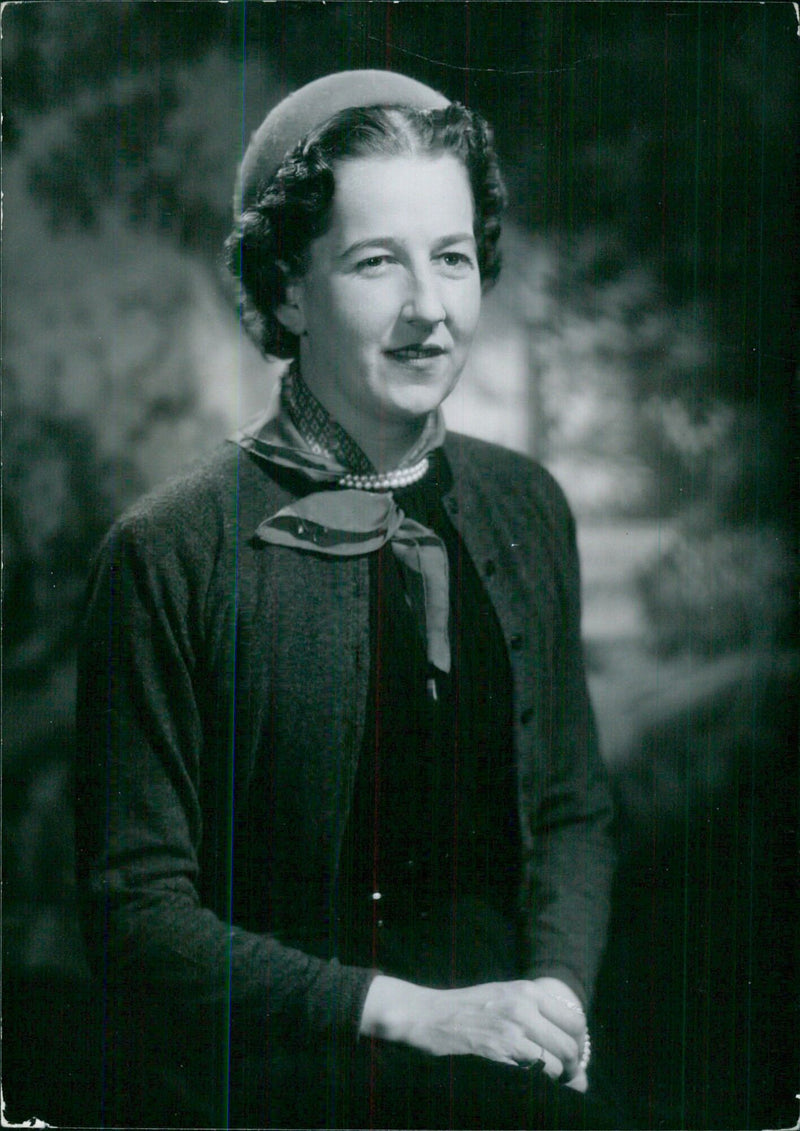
{"x": 434, "y": 823}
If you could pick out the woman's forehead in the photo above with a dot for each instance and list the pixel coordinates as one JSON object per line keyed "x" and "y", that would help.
{"x": 427, "y": 192}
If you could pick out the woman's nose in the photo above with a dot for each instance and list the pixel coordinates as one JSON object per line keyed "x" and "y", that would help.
{"x": 424, "y": 303}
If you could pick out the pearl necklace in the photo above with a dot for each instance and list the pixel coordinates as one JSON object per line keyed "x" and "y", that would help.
{"x": 386, "y": 480}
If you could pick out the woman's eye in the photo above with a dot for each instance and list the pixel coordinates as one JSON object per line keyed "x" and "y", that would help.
{"x": 457, "y": 259}
{"x": 372, "y": 262}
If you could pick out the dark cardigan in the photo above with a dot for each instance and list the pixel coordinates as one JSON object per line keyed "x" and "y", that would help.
{"x": 215, "y": 668}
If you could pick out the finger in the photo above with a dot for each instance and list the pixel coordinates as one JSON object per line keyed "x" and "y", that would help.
{"x": 528, "y": 1054}
{"x": 534, "y": 1058}
{"x": 580, "y": 1082}
{"x": 553, "y": 1067}
{"x": 562, "y": 1046}
{"x": 556, "y": 1013}
{"x": 567, "y": 1016}
{"x": 532, "y": 1055}
{"x": 527, "y": 1006}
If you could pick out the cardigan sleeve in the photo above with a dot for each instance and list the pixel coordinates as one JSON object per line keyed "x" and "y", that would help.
{"x": 572, "y": 856}
{"x": 520, "y": 530}
{"x": 139, "y": 823}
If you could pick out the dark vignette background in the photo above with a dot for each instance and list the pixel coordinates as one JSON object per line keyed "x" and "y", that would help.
{"x": 651, "y": 153}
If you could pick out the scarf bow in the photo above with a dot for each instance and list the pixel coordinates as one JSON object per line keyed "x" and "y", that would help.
{"x": 346, "y": 522}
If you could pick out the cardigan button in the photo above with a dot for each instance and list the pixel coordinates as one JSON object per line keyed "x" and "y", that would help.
{"x": 526, "y": 716}
{"x": 516, "y": 641}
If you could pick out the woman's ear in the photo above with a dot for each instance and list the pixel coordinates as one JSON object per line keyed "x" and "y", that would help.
{"x": 290, "y": 312}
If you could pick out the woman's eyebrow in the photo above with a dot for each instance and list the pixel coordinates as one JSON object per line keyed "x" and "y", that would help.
{"x": 394, "y": 243}
{"x": 455, "y": 237}
{"x": 370, "y": 241}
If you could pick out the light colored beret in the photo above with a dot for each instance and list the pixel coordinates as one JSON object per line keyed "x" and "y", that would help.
{"x": 310, "y": 106}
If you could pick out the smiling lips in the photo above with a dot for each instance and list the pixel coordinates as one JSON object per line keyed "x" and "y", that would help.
{"x": 416, "y": 353}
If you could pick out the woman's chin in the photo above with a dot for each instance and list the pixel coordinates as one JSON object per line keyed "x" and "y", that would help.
{"x": 420, "y": 398}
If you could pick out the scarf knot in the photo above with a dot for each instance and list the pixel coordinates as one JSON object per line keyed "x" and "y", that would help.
{"x": 344, "y": 521}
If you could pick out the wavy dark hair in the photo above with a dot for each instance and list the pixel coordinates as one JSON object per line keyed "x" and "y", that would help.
{"x": 269, "y": 244}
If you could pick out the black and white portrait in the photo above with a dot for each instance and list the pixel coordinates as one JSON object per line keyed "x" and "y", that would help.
{"x": 399, "y": 529}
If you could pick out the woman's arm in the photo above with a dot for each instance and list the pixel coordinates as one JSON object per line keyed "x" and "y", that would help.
{"x": 513, "y": 514}
{"x": 571, "y": 858}
{"x": 141, "y": 746}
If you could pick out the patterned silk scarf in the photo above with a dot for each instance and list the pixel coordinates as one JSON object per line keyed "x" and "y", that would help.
{"x": 297, "y": 432}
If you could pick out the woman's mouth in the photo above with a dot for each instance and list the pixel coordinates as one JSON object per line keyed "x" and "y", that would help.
{"x": 416, "y": 353}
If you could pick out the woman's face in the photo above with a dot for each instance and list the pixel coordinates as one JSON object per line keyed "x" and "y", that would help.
{"x": 389, "y": 304}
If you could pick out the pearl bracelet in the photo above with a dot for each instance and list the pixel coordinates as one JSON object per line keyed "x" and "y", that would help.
{"x": 586, "y": 1055}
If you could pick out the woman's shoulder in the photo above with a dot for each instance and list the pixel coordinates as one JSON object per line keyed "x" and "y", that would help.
{"x": 508, "y": 473}
{"x": 200, "y": 507}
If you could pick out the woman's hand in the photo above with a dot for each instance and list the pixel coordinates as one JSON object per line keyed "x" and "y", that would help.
{"x": 516, "y": 1023}
{"x": 562, "y": 992}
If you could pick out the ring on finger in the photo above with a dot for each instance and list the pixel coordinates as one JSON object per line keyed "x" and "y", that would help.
{"x": 536, "y": 1065}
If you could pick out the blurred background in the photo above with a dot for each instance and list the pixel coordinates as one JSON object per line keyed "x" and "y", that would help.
{"x": 641, "y": 343}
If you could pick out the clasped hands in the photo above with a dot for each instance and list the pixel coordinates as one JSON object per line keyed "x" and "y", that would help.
{"x": 519, "y": 1023}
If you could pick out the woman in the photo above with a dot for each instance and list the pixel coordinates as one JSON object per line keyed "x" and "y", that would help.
{"x": 343, "y": 828}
